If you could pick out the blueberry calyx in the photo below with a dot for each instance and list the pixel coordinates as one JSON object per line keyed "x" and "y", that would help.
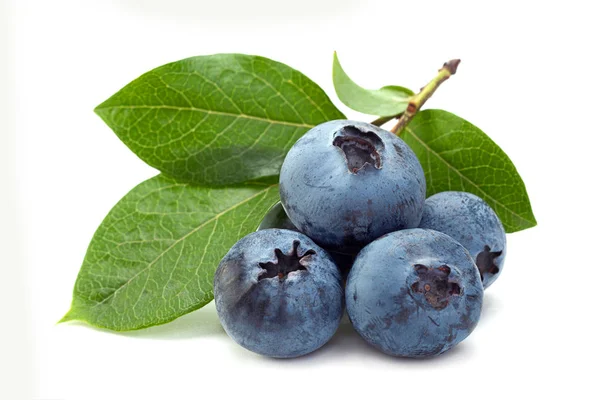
{"x": 486, "y": 261}
{"x": 285, "y": 263}
{"x": 360, "y": 148}
{"x": 433, "y": 283}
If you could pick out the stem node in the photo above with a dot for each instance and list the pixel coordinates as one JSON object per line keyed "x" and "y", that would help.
{"x": 417, "y": 101}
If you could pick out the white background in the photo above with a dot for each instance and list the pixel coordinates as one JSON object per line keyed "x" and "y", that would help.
{"x": 529, "y": 78}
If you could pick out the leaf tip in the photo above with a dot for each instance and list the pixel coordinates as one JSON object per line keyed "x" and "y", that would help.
{"x": 532, "y": 223}
{"x": 533, "y": 220}
{"x": 98, "y": 109}
{"x": 67, "y": 317}
{"x": 336, "y": 63}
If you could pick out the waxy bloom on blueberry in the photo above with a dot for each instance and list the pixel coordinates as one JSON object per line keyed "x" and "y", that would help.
{"x": 414, "y": 293}
{"x": 278, "y": 294}
{"x": 474, "y": 224}
{"x": 277, "y": 218}
{"x": 345, "y": 183}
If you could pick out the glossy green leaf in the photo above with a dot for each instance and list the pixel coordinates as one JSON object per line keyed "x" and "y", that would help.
{"x": 387, "y": 101}
{"x": 457, "y": 155}
{"x": 218, "y": 119}
{"x": 154, "y": 256}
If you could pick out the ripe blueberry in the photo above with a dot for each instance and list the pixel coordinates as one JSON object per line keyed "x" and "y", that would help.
{"x": 277, "y": 218}
{"x": 414, "y": 293}
{"x": 278, "y": 294}
{"x": 474, "y": 224}
{"x": 345, "y": 183}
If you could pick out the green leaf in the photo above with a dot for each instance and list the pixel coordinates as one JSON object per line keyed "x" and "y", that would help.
{"x": 154, "y": 256}
{"x": 457, "y": 155}
{"x": 385, "y": 102}
{"x": 219, "y": 119}
{"x": 398, "y": 89}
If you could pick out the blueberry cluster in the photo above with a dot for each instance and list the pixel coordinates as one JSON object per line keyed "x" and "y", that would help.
{"x": 354, "y": 230}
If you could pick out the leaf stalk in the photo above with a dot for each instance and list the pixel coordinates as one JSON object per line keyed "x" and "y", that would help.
{"x": 382, "y": 120}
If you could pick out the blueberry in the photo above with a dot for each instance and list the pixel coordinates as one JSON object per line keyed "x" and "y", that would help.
{"x": 278, "y": 294}
{"x": 277, "y": 218}
{"x": 414, "y": 293}
{"x": 474, "y": 224}
{"x": 345, "y": 183}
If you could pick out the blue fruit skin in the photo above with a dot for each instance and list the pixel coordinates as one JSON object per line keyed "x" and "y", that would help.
{"x": 277, "y": 218}
{"x": 278, "y": 317}
{"x": 341, "y": 209}
{"x": 386, "y": 298}
{"x": 474, "y": 224}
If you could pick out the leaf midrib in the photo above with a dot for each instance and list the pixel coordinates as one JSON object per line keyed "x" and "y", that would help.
{"x": 159, "y": 256}
{"x": 450, "y": 166}
{"x": 212, "y": 112}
